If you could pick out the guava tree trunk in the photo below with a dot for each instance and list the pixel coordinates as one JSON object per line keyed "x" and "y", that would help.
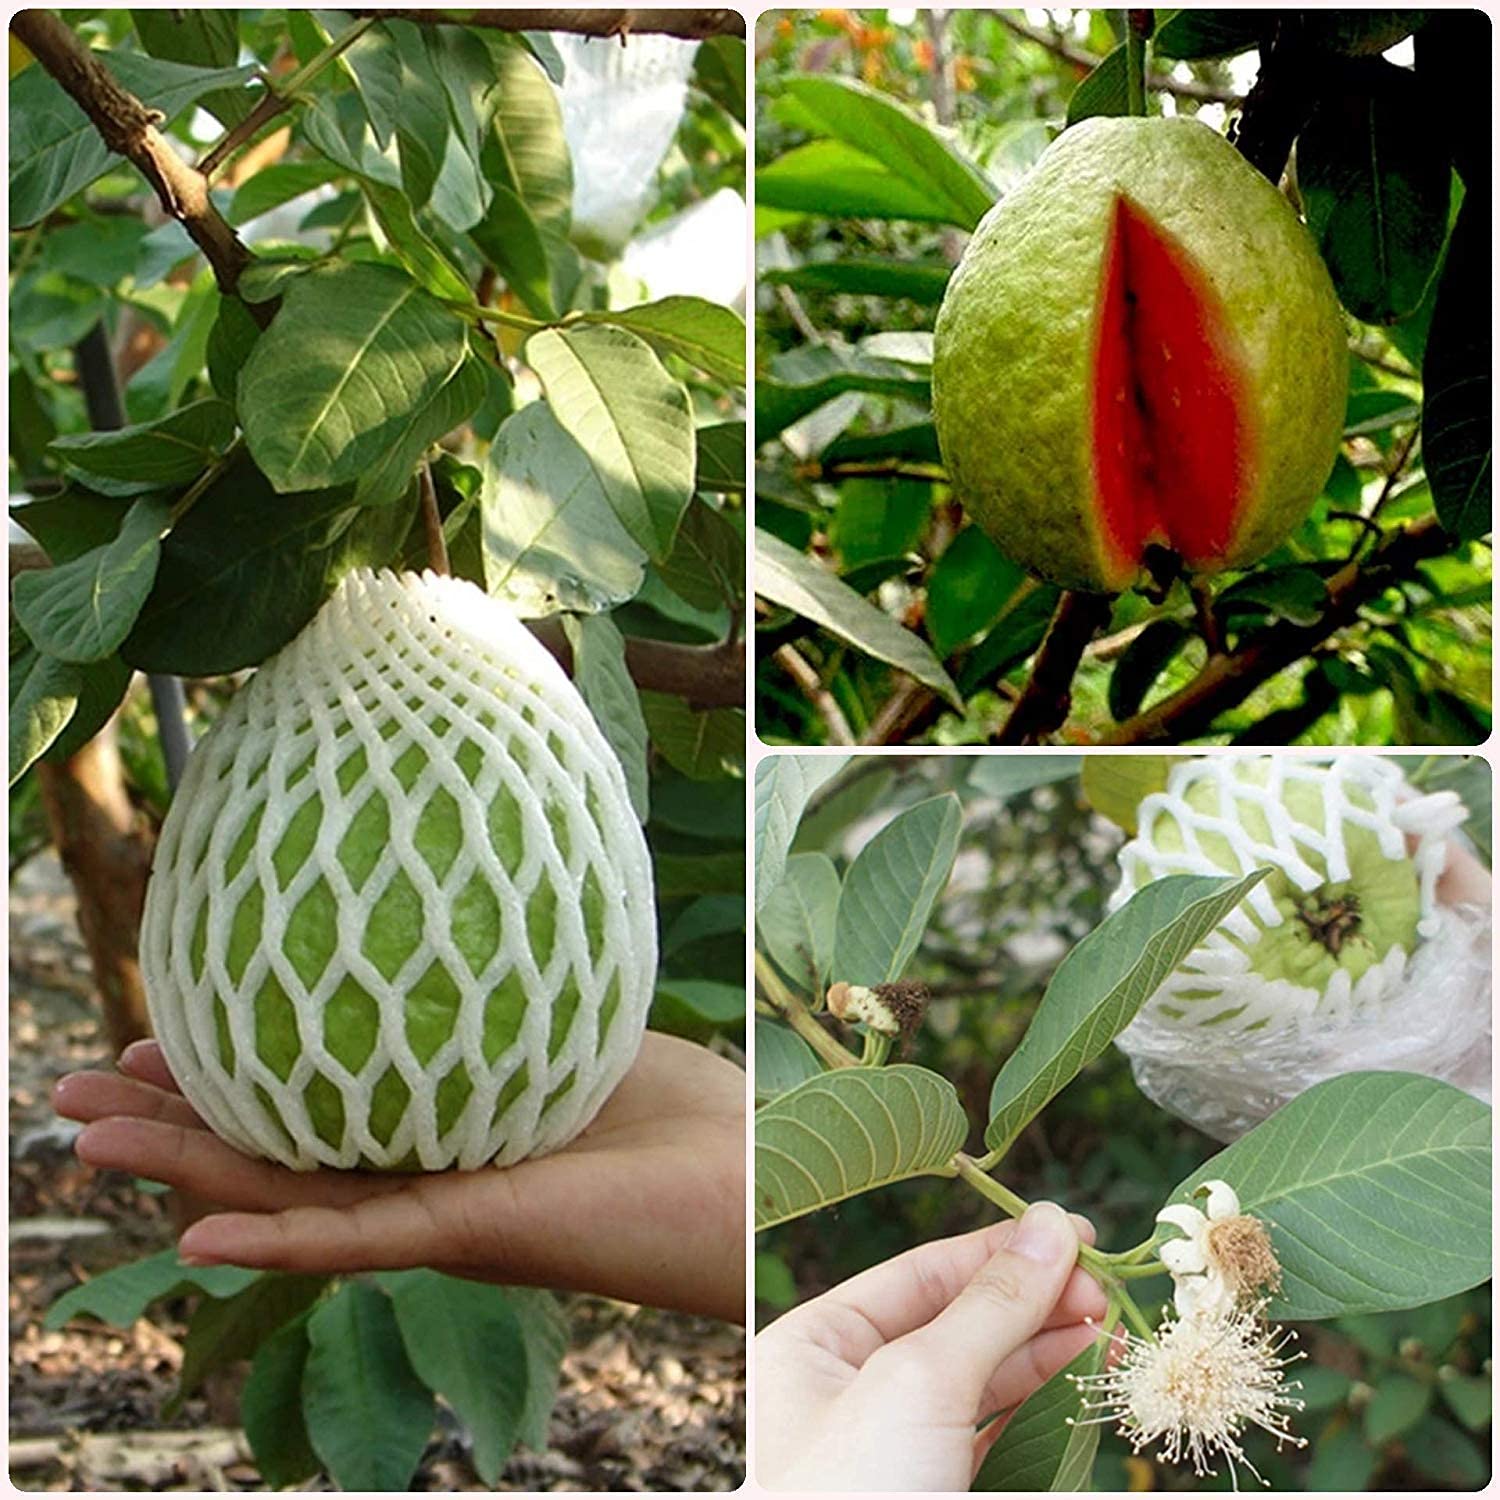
{"x": 106, "y": 851}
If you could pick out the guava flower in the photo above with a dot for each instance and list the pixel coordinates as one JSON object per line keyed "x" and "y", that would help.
{"x": 1205, "y": 1380}
{"x": 1225, "y": 1257}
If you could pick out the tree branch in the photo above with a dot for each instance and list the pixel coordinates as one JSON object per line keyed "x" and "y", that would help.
{"x": 129, "y": 128}
{"x": 1228, "y": 678}
{"x": 707, "y": 676}
{"x": 1047, "y": 696}
{"x": 690, "y": 24}
{"x": 1205, "y": 93}
{"x": 801, "y": 671}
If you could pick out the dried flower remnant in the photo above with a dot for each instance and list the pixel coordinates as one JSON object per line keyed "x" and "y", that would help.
{"x": 887, "y": 1009}
{"x": 1198, "y": 1387}
{"x": 1226, "y": 1257}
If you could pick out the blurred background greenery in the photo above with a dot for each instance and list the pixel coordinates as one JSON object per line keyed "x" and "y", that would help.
{"x": 1394, "y": 1401}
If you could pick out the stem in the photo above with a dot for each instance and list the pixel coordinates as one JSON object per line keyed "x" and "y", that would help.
{"x": 200, "y": 486}
{"x": 1047, "y": 697}
{"x": 1133, "y": 1314}
{"x": 1093, "y": 1261}
{"x": 495, "y": 315}
{"x": 275, "y": 101}
{"x": 799, "y": 1018}
{"x": 1137, "y": 29}
{"x": 432, "y": 522}
{"x": 877, "y": 1050}
{"x": 1136, "y": 1273}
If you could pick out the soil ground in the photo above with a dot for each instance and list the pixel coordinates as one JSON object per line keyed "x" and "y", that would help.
{"x": 649, "y": 1400}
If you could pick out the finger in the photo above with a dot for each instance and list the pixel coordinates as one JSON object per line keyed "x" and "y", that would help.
{"x": 1464, "y": 880}
{"x": 144, "y": 1060}
{"x": 97, "y": 1096}
{"x": 907, "y": 1292}
{"x": 1004, "y": 1305}
{"x": 197, "y": 1161}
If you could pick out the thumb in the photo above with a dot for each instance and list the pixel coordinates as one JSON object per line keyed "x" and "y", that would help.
{"x": 1008, "y": 1301}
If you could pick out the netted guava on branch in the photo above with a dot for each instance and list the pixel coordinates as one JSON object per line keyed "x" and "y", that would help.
{"x": 1141, "y": 352}
{"x": 402, "y": 912}
{"x": 1343, "y": 958}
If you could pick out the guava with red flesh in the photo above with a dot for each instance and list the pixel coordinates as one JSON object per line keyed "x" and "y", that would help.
{"x": 1141, "y": 349}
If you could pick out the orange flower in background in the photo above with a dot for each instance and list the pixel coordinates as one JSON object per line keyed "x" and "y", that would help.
{"x": 784, "y": 27}
{"x": 872, "y": 69}
{"x": 963, "y": 74}
{"x": 840, "y": 18}
{"x": 921, "y": 53}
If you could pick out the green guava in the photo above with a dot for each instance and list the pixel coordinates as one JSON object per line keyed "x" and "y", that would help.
{"x": 401, "y": 912}
{"x": 1140, "y": 350}
{"x": 1345, "y": 924}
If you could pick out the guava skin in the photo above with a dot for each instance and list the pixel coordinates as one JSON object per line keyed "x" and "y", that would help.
{"x": 1380, "y": 902}
{"x": 1017, "y": 341}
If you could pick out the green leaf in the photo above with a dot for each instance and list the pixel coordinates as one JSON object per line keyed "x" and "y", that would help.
{"x": 150, "y": 455}
{"x": 1101, "y": 984}
{"x": 274, "y": 185}
{"x": 367, "y": 1411}
{"x": 55, "y": 150}
{"x": 774, "y": 1282}
{"x": 600, "y": 674}
{"x": 921, "y": 281}
{"x": 890, "y": 890}
{"x": 1376, "y": 1190}
{"x": 390, "y": 476}
{"x": 721, "y": 463}
{"x": 838, "y": 181}
{"x": 1195, "y": 34}
{"x": 878, "y": 519}
{"x": 1116, "y": 785}
{"x": 784, "y": 784}
{"x": 223, "y": 1330}
{"x": 545, "y": 1332}
{"x": 102, "y": 252}
{"x": 120, "y": 1295}
{"x": 719, "y": 70}
{"x": 1470, "y": 1398}
{"x": 354, "y": 352}
{"x": 1004, "y": 776}
{"x": 697, "y": 1008}
{"x": 271, "y": 1408}
{"x": 464, "y": 1341}
{"x": 265, "y": 561}
{"x": 552, "y": 540}
{"x": 430, "y": 265}
{"x": 782, "y": 1060}
{"x": 422, "y": 124}
{"x": 1399, "y": 1403}
{"x": 826, "y": 373}
{"x": 873, "y": 123}
{"x": 704, "y": 333}
{"x": 80, "y": 611}
{"x": 1105, "y": 91}
{"x": 795, "y": 581}
{"x": 1457, "y": 438}
{"x": 1297, "y": 593}
{"x": 375, "y": 63}
{"x": 1342, "y": 1462}
{"x": 102, "y": 686}
{"x": 968, "y": 589}
{"x": 1146, "y": 658}
{"x": 704, "y": 744}
{"x": 508, "y": 238}
{"x": 1018, "y": 632}
{"x": 699, "y": 874}
{"x": 207, "y": 38}
{"x": 608, "y": 389}
{"x": 43, "y": 698}
{"x": 1446, "y": 1454}
{"x": 1043, "y": 1446}
{"x": 527, "y": 150}
{"x": 230, "y": 341}
{"x": 707, "y": 563}
{"x": 1374, "y": 178}
{"x": 796, "y": 923}
{"x": 849, "y": 1131}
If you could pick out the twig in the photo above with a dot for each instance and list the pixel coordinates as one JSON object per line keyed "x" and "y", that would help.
{"x": 1047, "y": 696}
{"x": 1203, "y": 611}
{"x": 1398, "y": 463}
{"x": 901, "y": 714}
{"x": 796, "y": 1014}
{"x": 798, "y": 314}
{"x": 874, "y": 468}
{"x": 1228, "y": 679}
{"x": 801, "y": 671}
{"x": 432, "y": 521}
{"x": 1139, "y": 25}
{"x": 707, "y": 676}
{"x": 690, "y": 24}
{"x": 128, "y": 127}
{"x": 275, "y": 100}
{"x": 1205, "y": 93}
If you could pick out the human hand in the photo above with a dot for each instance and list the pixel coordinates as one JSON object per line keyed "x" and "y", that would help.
{"x": 881, "y": 1383}
{"x": 648, "y": 1204}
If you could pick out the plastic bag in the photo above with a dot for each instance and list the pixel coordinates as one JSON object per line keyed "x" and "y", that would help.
{"x": 1222, "y": 1046}
{"x": 621, "y": 106}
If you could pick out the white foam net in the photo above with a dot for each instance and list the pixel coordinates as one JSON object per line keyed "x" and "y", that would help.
{"x": 1221, "y": 1045}
{"x": 401, "y": 913}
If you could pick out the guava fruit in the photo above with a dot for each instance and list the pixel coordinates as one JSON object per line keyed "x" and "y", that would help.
{"x": 1141, "y": 349}
{"x": 1334, "y": 923}
{"x": 401, "y": 914}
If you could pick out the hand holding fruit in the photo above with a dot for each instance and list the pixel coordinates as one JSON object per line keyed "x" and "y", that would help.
{"x": 647, "y": 1204}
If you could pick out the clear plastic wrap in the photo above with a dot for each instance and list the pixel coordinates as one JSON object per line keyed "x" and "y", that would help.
{"x": 1222, "y": 1045}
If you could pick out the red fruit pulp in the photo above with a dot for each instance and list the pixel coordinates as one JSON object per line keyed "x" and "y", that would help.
{"x": 1170, "y": 440}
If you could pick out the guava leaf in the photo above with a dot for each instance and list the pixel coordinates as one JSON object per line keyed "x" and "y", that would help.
{"x": 784, "y": 784}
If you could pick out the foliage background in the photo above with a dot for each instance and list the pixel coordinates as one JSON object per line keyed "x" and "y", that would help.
{"x": 1396, "y": 1400}
{"x": 847, "y": 295}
